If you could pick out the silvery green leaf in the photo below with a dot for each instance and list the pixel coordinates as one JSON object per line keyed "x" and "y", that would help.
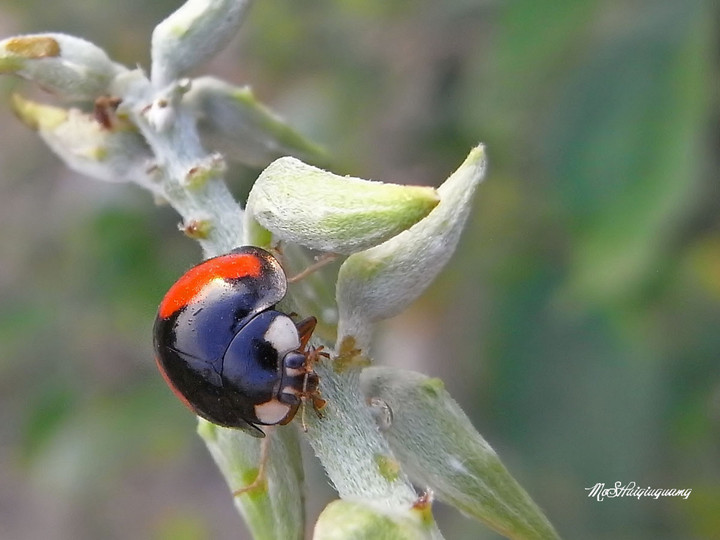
{"x": 356, "y": 457}
{"x": 326, "y": 212}
{"x": 64, "y": 65}
{"x": 115, "y": 153}
{"x": 438, "y": 447}
{"x": 193, "y": 34}
{"x": 274, "y": 508}
{"x": 383, "y": 280}
{"x": 354, "y": 520}
{"x": 234, "y": 123}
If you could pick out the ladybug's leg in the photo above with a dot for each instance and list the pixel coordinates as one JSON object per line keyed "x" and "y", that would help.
{"x": 309, "y": 389}
{"x": 305, "y": 329}
{"x": 260, "y": 478}
{"x": 312, "y": 394}
{"x": 325, "y": 258}
{"x": 310, "y": 384}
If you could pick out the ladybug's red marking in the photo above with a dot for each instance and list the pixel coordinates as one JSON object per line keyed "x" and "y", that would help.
{"x": 172, "y": 386}
{"x": 232, "y": 266}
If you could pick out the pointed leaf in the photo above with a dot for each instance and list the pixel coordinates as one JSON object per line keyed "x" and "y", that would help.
{"x": 382, "y": 281}
{"x": 113, "y": 154}
{"x": 234, "y": 123}
{"x": 323, "y": 211}
{"x": 352, "y": 520}
{"x": 65, "y": 65}
{"x": 275, "y": 508}
{"x": 438, "y": 447}
{"x": 193, "y": 34}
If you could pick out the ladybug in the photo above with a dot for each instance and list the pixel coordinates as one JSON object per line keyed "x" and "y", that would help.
{"x": 224, "y": 349}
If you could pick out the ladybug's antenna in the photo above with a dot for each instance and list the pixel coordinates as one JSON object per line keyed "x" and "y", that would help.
{"x": 304, "y": 406}
{"x": 322, "y": 260}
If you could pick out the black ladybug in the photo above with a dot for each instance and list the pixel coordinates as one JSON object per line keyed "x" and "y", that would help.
{"x": 226, "y": 352}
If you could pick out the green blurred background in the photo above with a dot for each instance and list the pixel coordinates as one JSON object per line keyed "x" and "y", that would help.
{"x": 578, "y": 323}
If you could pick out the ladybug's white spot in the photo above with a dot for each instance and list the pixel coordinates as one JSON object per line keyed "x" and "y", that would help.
{"x": 271, "y": 412}
{"x": 290, "y": 390}
{"x": 282, "y": 335}
{"x": 292, "y": 372}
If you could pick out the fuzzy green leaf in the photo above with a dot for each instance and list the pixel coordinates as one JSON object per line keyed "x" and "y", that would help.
{"x": 438, "y": 447}
{"x": 64, "y": 65}
{"x": 112, "y": 154}
{"x": 234, "y": 122}
{"x": 320, "y": 210}
{"x": 351, "y": 520}
{"x": 194, "y": 33}
{"x": 382, "y": 281}
{"x": 275, "y": 508}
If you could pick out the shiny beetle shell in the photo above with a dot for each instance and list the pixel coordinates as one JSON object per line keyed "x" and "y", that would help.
{"x": 224, "y": 349}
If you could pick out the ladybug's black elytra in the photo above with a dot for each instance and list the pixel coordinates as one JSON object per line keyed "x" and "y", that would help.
{"x": 226, "y": 352}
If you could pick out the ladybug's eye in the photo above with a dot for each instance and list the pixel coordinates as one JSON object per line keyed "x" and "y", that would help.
{"x": 294, "y": 360}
